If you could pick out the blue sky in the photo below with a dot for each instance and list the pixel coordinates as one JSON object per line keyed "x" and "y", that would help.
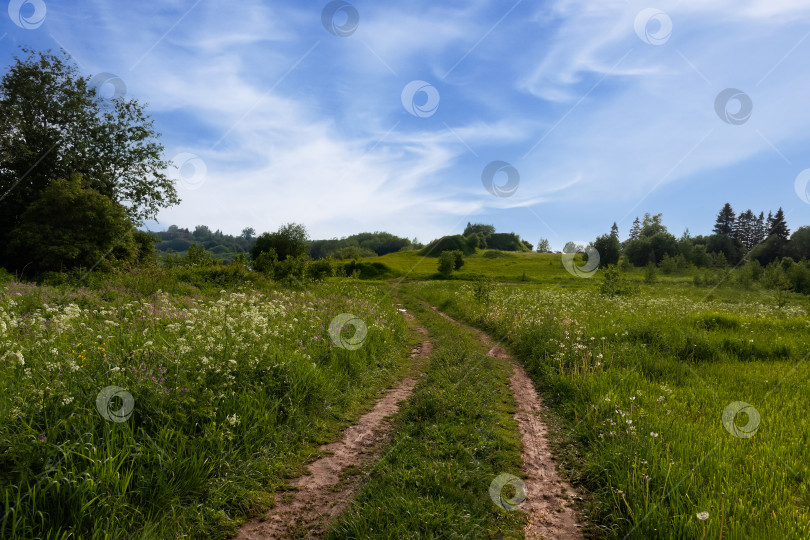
{"x": 604, "y": 109}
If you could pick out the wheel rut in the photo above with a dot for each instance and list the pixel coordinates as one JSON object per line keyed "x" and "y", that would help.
{"x": 324, "y": 493}
{"x": 548, "y": 503}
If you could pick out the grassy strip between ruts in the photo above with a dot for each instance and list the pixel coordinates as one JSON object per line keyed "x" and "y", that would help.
{"x": 454, "y": 437}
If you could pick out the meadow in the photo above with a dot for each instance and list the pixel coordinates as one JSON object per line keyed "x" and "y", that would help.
{"x": 643, "y": 391}
{"x": 175, "y": 402}
{"x": 163, "y": 415}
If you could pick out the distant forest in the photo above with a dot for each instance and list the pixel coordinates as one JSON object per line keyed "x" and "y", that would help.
{"x": 225, "y": 247}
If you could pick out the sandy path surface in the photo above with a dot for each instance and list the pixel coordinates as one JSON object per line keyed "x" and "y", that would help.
{"x": 548, "y": 497}
{"x": 320, "y": 495}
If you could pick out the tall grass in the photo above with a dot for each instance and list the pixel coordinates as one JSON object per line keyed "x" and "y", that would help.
{"x": 641, "y": 384}
{"x": 232, "y": 390}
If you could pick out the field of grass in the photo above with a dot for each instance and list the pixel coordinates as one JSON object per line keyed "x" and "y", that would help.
{"x": 640, "y": 385}
{"x": 227, "y": 383}
{"x": 221, "y": 396}
{"x": 503, "y": 266}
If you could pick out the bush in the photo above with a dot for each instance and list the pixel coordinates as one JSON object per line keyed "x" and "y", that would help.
{"x": 650, "y": 275}
{"x": 447, "y": 263}
{"x": 614, "y": 284}
{"x": 458, "y": 261}
{"x": 266, "y": 262}
{"x": 353, "y": 252}
{"x": 321, "y": 269}
{"x": 482, "y": 288}
{"x": 493, "y": 254}
{"x": 365, "y": 270}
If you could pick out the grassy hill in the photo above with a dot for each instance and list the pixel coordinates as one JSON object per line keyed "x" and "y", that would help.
{"x": 499, "y": 265}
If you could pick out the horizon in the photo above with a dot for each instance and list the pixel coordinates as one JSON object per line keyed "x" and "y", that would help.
{"x": 359, "y": 117}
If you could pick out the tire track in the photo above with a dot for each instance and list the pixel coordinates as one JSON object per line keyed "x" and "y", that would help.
{"x": 548, "y": 497}
{"x": 322, "y": 495}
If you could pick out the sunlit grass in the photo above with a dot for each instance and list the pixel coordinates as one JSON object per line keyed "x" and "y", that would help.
{"x": 232, "y": 391}
{"x": 640, "y": 385}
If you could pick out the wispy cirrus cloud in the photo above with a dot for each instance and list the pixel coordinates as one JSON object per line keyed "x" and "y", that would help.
{"x": 296, "y": 124}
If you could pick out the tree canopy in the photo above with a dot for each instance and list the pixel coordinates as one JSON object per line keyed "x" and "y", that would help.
{"x": 290, "y": 240}
{"x": 53, "y": 125}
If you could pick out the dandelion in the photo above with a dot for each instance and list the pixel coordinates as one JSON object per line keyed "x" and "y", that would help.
{"x": 653, "y": 434}
{"x": 703, "y": 516}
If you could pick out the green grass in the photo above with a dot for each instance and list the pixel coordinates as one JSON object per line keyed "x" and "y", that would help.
{"x": 233, "y": 391}
{"x": 640, "y": 385}
{"x": 253, "y": 384}
{"x": 505, "y": 266}
{"x": 453, "y": 437}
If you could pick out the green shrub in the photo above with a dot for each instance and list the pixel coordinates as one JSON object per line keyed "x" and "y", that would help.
{"x": 614, "y": 284}
{"x": 321, "y": 269}
{"x": 447, "y": 263}
{"x": 650, "y": 275}
{"x": 482, "y": 288}
{"x": 494, "y": 254}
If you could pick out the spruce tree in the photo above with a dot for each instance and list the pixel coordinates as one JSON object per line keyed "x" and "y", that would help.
{"x": 614, "y": 230}
{"x": 635, "y": 230}
{"x": 759, "y": 234}
{"x": 725, "y": 221}
{"x": 779, "y": 226}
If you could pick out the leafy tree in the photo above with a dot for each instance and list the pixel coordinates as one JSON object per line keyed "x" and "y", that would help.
{"x": 201, "y": 232}
{"x": 71, "y": 225}
{"x": 198, "y": 256}
{"x": 652, "y": 225}
{"x": 447, "y": 263}
{"x": 477, "y": 241}
{"x": 699, "y": 256}
{"x": 482, "y": 228}
{"x": 506, "y": 242}
{"x": 376, "y": 243}
{"x": 799, "y": 246}
{"x": 768, "y": 251}
{"x": 638, "y": 251}
{"x": 290, "y": 240}
{"x": 543, "y": 246}
{"x": 53, "y": 124}
{"x": 458, "y": 260}
{"x": 248, "y": 233}
{"x": 266, "y": 262}
{"x": 651, "y": 249}
{"x": 731, "y": 248}
{"x": 724, "y": 223}
{"x": 353, "y": 252}
{"x": 609, "y": 249}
